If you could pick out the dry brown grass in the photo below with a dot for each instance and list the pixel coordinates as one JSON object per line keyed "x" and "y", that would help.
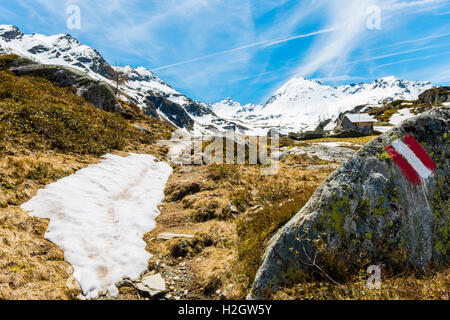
{"x": 407, "y": 286}
{"x": 30, "y": 266}
{"x": 359, "y": 141}
{"x": 219, "y": 207}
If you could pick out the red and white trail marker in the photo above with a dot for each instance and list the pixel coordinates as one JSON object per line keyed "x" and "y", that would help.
{"x": 412, "y": 159}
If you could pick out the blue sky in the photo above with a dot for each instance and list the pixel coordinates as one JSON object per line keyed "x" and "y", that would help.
{"x": 246, "y": 49}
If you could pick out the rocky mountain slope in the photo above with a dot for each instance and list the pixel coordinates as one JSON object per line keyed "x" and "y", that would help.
{"x": 135, "y": 85}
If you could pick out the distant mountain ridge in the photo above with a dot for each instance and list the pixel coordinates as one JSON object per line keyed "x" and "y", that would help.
{"x": 299, "y": 105}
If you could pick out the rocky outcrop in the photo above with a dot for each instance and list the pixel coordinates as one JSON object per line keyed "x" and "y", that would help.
{"x": 435, "y": 96}
{"x": 173, "y": 111}
{"x": 323, "y": 152}
{"x": 369, "y": 209}
{"x": 307, "y": 135}
{"x": 96, "y": 92}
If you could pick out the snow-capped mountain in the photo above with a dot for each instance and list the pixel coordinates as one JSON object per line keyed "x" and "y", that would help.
{"x": 300, "y": 104}
{"x": 139, "y": 85}
{"x": 59, "y": 49}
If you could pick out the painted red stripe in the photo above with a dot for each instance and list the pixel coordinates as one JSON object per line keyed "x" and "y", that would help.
{"x": 420, "y": 152}
{"x": 406, "y": 168}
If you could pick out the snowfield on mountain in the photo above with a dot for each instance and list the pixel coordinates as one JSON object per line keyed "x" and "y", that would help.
{"x": 99, "y": 215}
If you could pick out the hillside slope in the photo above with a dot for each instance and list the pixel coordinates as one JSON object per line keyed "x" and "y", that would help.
{"x": 46, "y": 133}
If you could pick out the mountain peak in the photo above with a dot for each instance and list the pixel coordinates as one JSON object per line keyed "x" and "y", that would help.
{"x": 9, "y": 32}
{"x": 389, "y": 78}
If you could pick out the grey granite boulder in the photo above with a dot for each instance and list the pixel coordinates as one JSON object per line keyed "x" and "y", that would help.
{"x": 368, "y": 208}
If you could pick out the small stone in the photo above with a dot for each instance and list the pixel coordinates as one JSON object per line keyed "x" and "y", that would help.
{"x": 81, "y": 297}
{"x": 153, "y": 285}
{"x": 170, "y": 236}
{"x": 73, "y": 285}
{"x": 125, "y": 283}
{"x": 69, "y": 270}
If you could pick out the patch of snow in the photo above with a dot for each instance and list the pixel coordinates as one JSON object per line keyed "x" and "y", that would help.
{"x": 382, "y": 129}
{"x": 337, "y": 144}
{"x": 99, "y": 215}
{"x": 400, "y": 116}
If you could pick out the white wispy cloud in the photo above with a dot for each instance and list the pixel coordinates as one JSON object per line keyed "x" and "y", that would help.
{"x": 333, "y": 54}
{"x": 412, "y": 59}
{"x": 431, "y": 37}
{"x": 412, "y": 4}
{"x": 348, "y": 19}
{"x": 394, "y": 54}
{"x": 265, "y": 44}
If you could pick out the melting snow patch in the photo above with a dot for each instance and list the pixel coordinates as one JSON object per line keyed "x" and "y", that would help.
{"x": 402, "y": 115}
{"x": 99, "y": 215}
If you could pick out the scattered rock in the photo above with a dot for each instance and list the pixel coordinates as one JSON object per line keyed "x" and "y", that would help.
{"x": 170, "y": 236}
{"x": 141, "y": 128}
{"x": 125, "y": 283}
{"x": 73, "y": 285}
{"x": 153, "y": 285}
{"x": 323, "y": 152}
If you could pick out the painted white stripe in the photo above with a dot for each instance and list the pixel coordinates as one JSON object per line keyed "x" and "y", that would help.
{"x": 413, "y": 160}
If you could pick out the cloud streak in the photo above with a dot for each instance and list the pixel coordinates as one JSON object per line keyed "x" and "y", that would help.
{"x": 264, "y": 44}
{"x": 412, "y": 60}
